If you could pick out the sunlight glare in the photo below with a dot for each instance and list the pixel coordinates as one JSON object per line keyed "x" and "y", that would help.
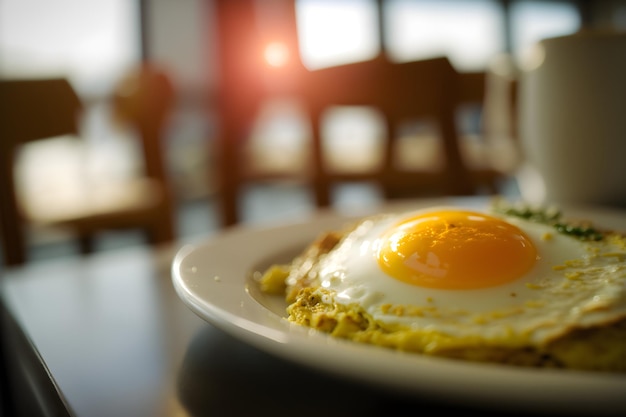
{"x": 276, "y": 54}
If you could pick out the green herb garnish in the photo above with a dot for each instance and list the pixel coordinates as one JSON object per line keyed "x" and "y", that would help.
{"x": 535, "y": 215}
{"x": 582, "y": 233}
{"x": 549, "y": 216}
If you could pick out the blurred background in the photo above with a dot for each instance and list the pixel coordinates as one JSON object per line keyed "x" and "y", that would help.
{"x": 96, "y": 44}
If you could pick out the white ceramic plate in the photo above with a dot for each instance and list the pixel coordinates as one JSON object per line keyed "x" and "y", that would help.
{"x": 214, "y": 279}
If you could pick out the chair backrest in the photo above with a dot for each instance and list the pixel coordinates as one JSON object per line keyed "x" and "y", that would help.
{"x": 401, "y": 92}
{"x": 37, "y": 109}
{"x": 30, "y": 110}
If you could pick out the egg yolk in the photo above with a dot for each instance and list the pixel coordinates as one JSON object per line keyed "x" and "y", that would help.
{"x": 456, "y": 250}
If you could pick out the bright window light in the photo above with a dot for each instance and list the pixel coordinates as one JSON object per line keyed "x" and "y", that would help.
{"x": 91, "y": 42}
{"x": 533, "y": 21}
{"x": 335, "y": 32}
{"x": 470, "y": 33}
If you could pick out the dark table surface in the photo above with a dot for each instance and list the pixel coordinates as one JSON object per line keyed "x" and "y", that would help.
{"x": 108, "y": 336}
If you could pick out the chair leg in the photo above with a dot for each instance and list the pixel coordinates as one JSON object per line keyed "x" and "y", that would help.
{"x": 320, "y": 179}
{"x": 229, "y": 205}
{"x": 12, "y": 237}
{"x": 322, "y": 192}
{"x": 86, "y": 244}
{"x": 162, "y": 232}
{"x": 229, "y": 179}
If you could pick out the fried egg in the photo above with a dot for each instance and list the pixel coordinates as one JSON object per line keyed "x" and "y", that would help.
{"x": 471, "y": 274}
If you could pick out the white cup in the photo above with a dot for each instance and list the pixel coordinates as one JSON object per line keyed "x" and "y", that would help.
{"x": 572, "y": 121}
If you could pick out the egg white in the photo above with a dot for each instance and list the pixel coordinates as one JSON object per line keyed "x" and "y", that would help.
{"x": 588, "y": 286}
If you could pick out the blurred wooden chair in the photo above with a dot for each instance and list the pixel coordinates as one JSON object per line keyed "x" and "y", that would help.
{"x": 36, "y": 110}
{"x": 444, "y": 159}
{"x": 429, "y": 91}
{"x": 425, "y": 90}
